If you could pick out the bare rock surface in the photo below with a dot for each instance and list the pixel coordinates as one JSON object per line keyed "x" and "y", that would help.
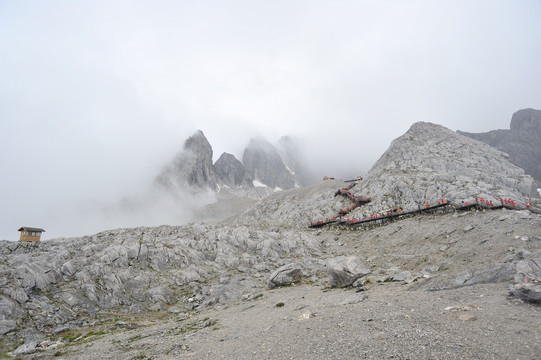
{"x": 430, "y": 162}
{"x": 263, "y": 163}
{"x": 232, "y": 172}
{"x": 528, "y": 280}
{"x": 285, "y": 275}
{"x": 295, "y": 207}
{"x": 191, "y": 167}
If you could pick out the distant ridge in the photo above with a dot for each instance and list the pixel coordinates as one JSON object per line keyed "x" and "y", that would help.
{"x": 522, "y": 141}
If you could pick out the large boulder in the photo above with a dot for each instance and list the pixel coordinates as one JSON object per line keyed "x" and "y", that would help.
{"x": 527, "y": 292}
{"x": 344, "y": 270}
{"x": 528, "y": 281}
{"x": 10, "y": 313}
{"x": 285, "y": 275}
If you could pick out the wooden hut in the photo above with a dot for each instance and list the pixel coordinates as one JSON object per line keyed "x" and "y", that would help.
{"x": 30, "y": 233}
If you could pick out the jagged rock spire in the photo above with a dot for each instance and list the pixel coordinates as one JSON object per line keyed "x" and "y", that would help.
{"x": 191, "y": 167}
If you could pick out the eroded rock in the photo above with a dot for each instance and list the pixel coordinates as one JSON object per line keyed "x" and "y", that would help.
{"x": 285, "y": 275}
{"x": 344, "y": 270}
{"x": 528, "y": 281}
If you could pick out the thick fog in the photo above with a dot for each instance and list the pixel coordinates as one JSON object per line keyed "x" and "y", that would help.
{"x": 97, "y": 96}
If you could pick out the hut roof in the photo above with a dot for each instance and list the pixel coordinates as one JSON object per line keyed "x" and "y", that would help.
{"x": 26, "y": 228}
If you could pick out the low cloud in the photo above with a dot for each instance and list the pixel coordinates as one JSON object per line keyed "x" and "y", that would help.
{"x": 151, "y": 208}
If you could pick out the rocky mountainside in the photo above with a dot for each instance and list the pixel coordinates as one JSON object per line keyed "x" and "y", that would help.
{"x": 63, "y": 295}
{"x": 430, "y": 162}
{"x": 522, "y": 141}
{"x": 236, "y": 185}
{"x": 427, "y": 163}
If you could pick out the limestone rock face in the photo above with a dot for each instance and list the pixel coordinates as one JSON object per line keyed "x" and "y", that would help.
{"x": 521, "y": 141}
{"x": 264, "y": 164}
{"x": 430, "y": 162}
{"x": 191, "y": 167}
{"x": 192, "y": 172}
{"x": 295, "y": 207}
{"x": 231, "y": 171}
{"x": 139, "y": 269}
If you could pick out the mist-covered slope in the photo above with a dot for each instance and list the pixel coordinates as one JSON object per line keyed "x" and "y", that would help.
{"x": 265, "y": 165}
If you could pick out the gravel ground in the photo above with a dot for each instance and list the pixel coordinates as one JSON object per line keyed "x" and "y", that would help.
{"x": 388, "y": 321}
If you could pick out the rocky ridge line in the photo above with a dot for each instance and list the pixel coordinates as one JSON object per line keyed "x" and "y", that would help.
{"x": 521, "y": 141}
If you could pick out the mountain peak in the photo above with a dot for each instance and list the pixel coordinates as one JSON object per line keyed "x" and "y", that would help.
{"x": 263, "y": 163}
{"x": 430, "y": 162}
{"x": 198, "y": 142}
{"x": 191, "y": 167}
{"x": 231, "y": 171}
{"x": 527, "y": 119}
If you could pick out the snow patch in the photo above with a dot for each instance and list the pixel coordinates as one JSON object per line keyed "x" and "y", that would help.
{"x": 288, "y": 169}
{"x": 258, "y": 183}
{"x": 221, "y": 187}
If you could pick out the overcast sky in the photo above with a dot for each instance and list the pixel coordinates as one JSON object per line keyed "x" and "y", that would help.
{"x": 96, "y": 96}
